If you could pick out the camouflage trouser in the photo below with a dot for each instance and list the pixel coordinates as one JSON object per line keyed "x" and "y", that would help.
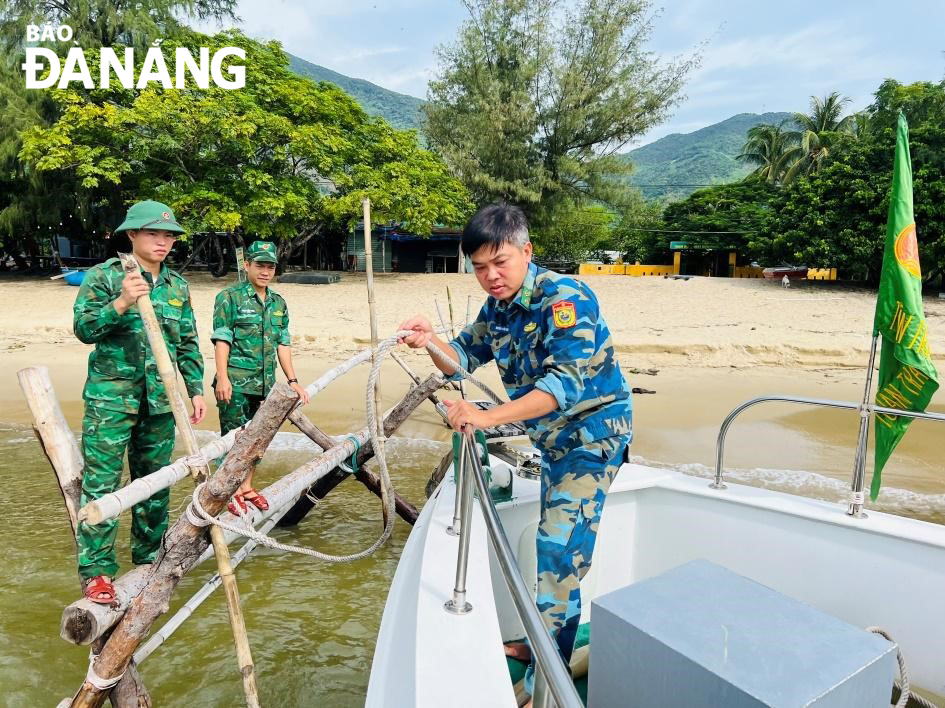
{"x": 573, "y": 490}
{"x": 239, "y": 411}
{"x": 149, "y": 440}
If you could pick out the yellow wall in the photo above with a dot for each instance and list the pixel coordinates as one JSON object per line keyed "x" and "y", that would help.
{"x": 821, "y": 273}
{"x": 638, "y": 270}
{"x": 600, "y": 269}
{"x": 747, "y": 272}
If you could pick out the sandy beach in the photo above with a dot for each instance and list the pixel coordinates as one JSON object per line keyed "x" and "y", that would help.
{"x": 703, "y": 346}
{"x": 656, "y": 322}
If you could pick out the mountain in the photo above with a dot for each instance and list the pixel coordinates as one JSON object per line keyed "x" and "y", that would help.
{"x": 400, "y": 110}
{"x": 705, "y": 156}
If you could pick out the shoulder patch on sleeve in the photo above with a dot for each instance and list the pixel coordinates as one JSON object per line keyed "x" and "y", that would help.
{"x": 563, "y": 314}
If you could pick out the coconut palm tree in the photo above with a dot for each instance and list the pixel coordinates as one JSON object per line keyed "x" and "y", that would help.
{"x": 819, "y": 129}
{"x": 773, "y": 149}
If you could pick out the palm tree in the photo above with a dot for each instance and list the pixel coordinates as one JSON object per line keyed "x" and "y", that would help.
{"x": 818, "y": 131}
{"x": 773, "y": 149}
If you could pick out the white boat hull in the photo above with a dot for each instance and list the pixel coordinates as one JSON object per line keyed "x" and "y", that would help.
{"x": 881, "y": 570}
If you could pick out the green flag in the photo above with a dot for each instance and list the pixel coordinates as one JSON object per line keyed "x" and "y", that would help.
{"x": 907, "y": 377}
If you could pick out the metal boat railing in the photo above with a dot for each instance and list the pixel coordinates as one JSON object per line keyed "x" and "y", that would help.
{"x": 859, "y": 467}
{"x": 553, "y": 684}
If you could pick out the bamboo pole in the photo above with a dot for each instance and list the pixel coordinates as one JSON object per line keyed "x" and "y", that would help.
{"x": 184, "y": 542}
{"x": 372, "y": 310}
{"x": 201, "y": 472}
{"x": 183, "y": 537}
{"x": 62, "y": 451}
{"x": 174, "y": 622}
{"x": 110, "y": 506}
{"x": 449, "y": 304}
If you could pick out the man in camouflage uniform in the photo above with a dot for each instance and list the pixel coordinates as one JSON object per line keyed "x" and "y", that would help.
{"x": 250, "y": 332}
{"x": 556, "y": 358}
{"x": 125, "y": 402}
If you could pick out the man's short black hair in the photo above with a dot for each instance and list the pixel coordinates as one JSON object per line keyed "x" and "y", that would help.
{"x": 494, "y": 225}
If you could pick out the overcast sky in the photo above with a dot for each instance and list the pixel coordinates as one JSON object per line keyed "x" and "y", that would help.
{"x": 757, "y": 56}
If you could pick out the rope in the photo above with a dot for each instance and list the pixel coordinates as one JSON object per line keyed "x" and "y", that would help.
{"x": 904, "y": 691}
{"x": 100, "y": 683}
{"x": 199, "y": 517}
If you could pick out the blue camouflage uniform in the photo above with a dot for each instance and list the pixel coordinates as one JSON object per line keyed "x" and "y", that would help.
{"x": 552, "y": 337}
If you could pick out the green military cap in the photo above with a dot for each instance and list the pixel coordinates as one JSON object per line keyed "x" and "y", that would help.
{"x": 262, "y": 251}
{"x": 150, "y": 215}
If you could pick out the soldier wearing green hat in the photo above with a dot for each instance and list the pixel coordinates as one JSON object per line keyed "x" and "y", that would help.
{"x": 125, "y": 402}
{"x": 250, "y": 332}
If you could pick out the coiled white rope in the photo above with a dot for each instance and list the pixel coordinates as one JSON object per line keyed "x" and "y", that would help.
{"x": 904, "y": 691}
{"x": 199, "y": 517}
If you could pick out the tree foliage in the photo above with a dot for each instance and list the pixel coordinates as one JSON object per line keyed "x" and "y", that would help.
{"x": 535, "y": 98}
{"x": 281, "y": 158}
{"x": 837, "y": 217}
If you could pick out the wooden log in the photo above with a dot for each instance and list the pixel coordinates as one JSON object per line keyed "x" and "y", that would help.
{"x": 55, "y": 437}
{"x": 62, "y": 451}
{"x": 405, "y": 510}
{"x": 201, "y": 472}
{"x": 184, "y": 543}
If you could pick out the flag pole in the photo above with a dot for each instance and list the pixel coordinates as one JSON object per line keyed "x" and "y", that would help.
{"x": 855, "y": 507}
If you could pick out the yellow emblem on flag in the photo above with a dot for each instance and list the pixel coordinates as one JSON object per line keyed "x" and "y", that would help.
{"x": 530, "y": 327}
{"x": 175, "y": 302}
{"x": 906, "y": 250}
{"x": 563, "y": 314}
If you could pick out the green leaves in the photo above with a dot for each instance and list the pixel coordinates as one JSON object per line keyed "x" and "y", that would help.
{"x": 281, "y": 158}
{"x": 536, "y": 97}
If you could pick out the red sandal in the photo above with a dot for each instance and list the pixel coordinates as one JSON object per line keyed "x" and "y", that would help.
{"x": 100, "y": 586}
{"x": 257, "y": 500}
{"x": 237, "y": 499}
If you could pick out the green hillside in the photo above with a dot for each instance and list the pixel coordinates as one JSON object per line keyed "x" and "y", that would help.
{"x": 400, "y": 110}
{"x": 705, "y": 156}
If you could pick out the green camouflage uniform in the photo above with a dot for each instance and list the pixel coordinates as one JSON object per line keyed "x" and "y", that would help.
{"x": 125, "y": 404}
{"x": 254, "y": 330}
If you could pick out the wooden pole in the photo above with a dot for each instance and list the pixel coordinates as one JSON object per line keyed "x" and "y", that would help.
{"x": 168, "y": 376}
{"x": 62, "y": 451}
{"x": 58, "y": 442}
{"x": 111, "y": 505}
{"x": 440, "y": 408}
{"x": 369, "y": 265}
{"x": 184, "y": 543}
{"x": 405, "y": 510}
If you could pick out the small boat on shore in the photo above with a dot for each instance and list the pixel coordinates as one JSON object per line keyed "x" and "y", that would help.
{"x": 785, "y": 269}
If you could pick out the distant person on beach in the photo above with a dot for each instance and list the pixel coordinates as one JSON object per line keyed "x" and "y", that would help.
{"x": 556, "y": 358}
{"x": 125, "y": 401}
{"x": 250, "y": 332}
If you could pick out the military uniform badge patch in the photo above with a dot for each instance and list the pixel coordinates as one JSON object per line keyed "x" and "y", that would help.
{"x": 563, "y": 314}
{"x": 530, "y": 327}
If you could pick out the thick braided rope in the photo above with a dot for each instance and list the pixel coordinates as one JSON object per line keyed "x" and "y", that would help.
{"x": 904, "y": 690}
{"x": 198, "y": 516}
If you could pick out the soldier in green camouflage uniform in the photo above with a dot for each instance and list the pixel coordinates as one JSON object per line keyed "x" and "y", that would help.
{"x": 125, "y": 402}
{"x": 250, "y": 332}
{"x": 556, "y": 359}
